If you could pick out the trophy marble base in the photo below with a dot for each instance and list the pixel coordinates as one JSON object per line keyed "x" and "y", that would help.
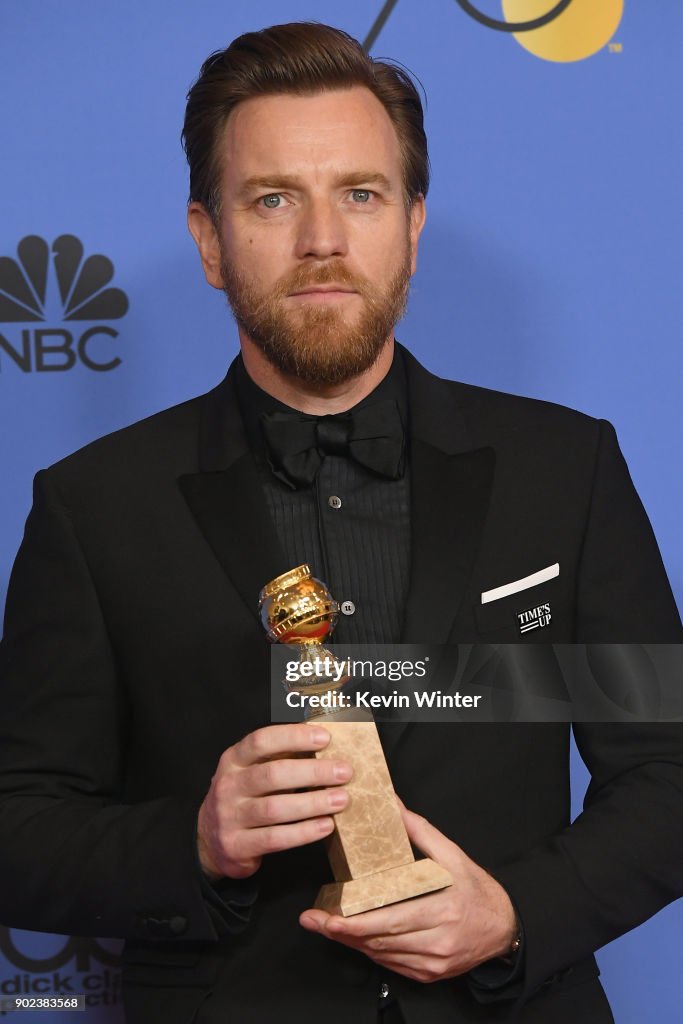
{"x": 370, "y": 853}
{"x": 383, "y": 888}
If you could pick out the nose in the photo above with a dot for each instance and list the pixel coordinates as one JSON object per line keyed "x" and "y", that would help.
{"x": 322, "y": 233}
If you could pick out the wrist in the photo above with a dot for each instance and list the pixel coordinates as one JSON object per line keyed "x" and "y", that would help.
{"x": 508, "y": 931}
{"x": 205, "y": 862}
{"x": 515, "y": 947}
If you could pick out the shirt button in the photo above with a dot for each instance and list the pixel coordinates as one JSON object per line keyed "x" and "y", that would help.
{"x": 348, "y": 607}
{"x": 334, "y": 501}
{"x": 384, "y": 990}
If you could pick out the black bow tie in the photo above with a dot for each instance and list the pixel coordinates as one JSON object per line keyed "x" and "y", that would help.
{"x": 372, "y": 435}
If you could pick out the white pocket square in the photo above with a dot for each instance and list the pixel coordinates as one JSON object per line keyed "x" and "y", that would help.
{"x": 542, "y": 576}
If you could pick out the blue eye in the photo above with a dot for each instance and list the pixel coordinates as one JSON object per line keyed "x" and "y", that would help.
{"x": 360, "y": 195}
{"x": 272, "y": 201}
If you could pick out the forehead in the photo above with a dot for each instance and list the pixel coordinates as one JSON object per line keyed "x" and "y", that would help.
{"x": 336, "y": 131}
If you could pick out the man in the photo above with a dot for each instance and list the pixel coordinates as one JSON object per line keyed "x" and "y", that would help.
{"x": 143, "y": 792}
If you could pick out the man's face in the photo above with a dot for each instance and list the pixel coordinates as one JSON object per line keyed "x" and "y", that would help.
{"x": 315, "y": 245}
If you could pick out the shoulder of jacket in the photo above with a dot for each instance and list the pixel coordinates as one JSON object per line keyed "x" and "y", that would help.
{"x": 166, "y": 441}
{"x": 520, "y": 411}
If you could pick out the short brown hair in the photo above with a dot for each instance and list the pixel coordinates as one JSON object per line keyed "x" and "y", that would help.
{"x": 302, "y": 58}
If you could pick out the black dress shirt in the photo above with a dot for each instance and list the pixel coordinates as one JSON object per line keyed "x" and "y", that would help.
{"x": 351, "y": 525}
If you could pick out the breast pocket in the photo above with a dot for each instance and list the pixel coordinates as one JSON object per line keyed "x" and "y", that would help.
{"x": 538, "y": 614}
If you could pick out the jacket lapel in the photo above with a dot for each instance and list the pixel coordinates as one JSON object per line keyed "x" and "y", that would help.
{"x": 226, "y": 500}
{"x": 450, "y": 491}
{"x": 451, "y": 483}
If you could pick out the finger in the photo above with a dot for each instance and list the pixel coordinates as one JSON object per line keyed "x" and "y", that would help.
{"x": 397, "y": 919}
{"x": 414, "y": 943}
{"x": 429, "y": 840}
{"x": 413, "y": 963}
{"x": 380, "y": 949}
{"x": 420, "y": 968}
{"x": 403, "y": 963}
{"x": 279, "y": 808}
{"x": 292, "y": 773}
{"x": 251, "y": 843}
{"x": 316, "y": 921}
{"x": 313, "y": 920}
{"x": 319, "y": 921}
{"x": 278, "y": 739}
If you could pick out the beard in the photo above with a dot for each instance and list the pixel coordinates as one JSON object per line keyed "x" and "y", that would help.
{"x": 317, "y": 343}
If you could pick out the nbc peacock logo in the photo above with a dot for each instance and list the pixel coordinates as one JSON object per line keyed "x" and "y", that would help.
{"x": 56, "y": 284}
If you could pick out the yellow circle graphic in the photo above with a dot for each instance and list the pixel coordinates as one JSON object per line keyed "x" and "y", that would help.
{"x": 581, "y": 30}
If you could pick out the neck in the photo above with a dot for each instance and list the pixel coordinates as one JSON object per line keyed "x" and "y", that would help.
{"x": 315, "y": 400}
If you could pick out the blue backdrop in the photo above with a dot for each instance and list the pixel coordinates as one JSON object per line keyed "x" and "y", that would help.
{"x": 549, "y": 267}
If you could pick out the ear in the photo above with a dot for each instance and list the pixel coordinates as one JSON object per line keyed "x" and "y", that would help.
{"x": 203, "y": 231}
{"x": 418, "y": 216}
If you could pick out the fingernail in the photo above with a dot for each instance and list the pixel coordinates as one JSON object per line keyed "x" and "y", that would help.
{"x": 339, "y": 798}
{"x": 319, "y": 736}
{"x": 325, "y": 825}
{"x": 342, "y": 771}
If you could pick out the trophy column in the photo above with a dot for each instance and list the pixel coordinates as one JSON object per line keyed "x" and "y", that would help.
{"x": 369, "y": 850}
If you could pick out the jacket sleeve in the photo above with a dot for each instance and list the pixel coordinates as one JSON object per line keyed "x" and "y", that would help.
{"x": 74, "y": 858}
{"x": 621, "y": 860}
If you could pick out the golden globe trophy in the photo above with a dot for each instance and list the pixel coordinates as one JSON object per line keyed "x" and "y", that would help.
{"x": 369, "y": 850}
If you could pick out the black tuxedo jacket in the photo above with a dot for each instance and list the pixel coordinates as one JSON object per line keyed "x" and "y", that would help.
{"x": 133, "y": 657}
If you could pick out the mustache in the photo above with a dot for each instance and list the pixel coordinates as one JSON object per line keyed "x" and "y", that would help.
{"x": 327, "y": 273}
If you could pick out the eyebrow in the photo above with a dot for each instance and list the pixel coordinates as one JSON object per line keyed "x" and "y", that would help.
{"x": 275, "y": 182}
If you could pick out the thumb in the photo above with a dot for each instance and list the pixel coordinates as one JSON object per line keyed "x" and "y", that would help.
{"x": 429, "y": 840}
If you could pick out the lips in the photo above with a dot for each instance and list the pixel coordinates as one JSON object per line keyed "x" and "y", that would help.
{"x": 323, "y": 290}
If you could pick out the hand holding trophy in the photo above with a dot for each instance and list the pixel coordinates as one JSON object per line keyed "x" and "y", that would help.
{"x": 370, "y": 854}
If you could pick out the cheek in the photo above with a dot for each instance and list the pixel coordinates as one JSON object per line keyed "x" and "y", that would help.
{"x": 379, "y": 236}
{"x": 382, "y": 253}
